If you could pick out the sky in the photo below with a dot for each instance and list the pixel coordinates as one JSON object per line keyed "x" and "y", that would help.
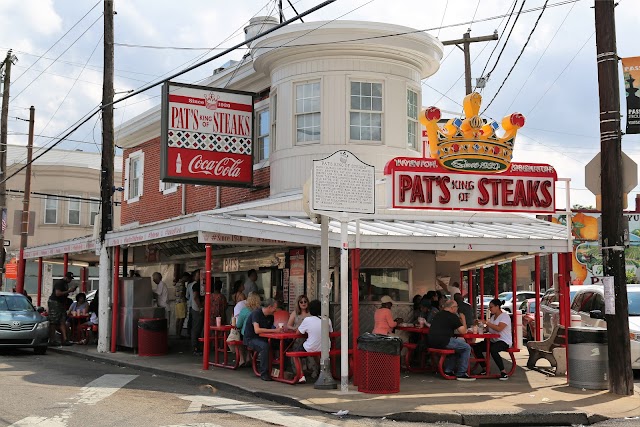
{"x": 58, "y": 44}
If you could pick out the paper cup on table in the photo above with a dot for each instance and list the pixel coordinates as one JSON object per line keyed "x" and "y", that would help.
{"x": 421, "y": 322}
{"x": 218, "y": 321}
{"x": 281, "y": 325}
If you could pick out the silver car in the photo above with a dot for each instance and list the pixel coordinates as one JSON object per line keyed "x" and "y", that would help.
{"x": 21, "y": 325}
{"x": 589, "y": 304}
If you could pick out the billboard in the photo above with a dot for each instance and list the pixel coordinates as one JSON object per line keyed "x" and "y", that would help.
{"x": 206, "y": 135}
{"x": 631, "y": 71}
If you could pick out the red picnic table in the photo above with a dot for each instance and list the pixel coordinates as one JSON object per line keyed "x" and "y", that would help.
{"x": 76, "y": 321}
{"x": 220, "y": 347}
{"x": 471, "y": 338}
{"x": 281, "y": 337}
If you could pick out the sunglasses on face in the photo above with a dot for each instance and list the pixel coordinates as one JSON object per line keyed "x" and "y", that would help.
{"x": 303, "y": 302}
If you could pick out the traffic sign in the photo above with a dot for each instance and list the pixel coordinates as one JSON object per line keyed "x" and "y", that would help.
{"x": 593, "y": 173}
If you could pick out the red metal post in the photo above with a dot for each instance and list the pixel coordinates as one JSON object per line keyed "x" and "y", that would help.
{"x": 514, "y": 307}
{"x": 83, "y": 278}
{"x": 39, "y": 299}
{"x": 207, "y": 308}
{"x": 481, "y": 293}
{"x": 21, "y": 269}
{"x": 116, "y": 299}
{"x": 567, "y": 282}
{"x": 537, "y": 274}
{"x": 355, "y": 307}
{"x": 561, "y": 276}
{"x": 461, "y": 280}
{"x": 472, "y": 273}
{"x": 66, "y": 265}
{"x": 496, "y": 281}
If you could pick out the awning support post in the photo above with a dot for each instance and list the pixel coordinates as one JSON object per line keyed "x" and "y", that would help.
{"x": 39, "y": 299}
{"x": 496, "y": 280}
{"x": 481, "y": 294}
{"x": 325, "y": 380}
{"x": 116, "y": 299}
{"x": 344, "y": 305}
{"x": 207, "y": 308}
{"x": 514, "y": 307}
{"x": 65, "y": 265}
{"x": 537, "y": 275}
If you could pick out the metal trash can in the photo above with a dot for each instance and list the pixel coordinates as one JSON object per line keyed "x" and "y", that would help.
{"x": 588, "y": 359}
{"x": 152, "y": 337}
{"x": 379, "y": 363}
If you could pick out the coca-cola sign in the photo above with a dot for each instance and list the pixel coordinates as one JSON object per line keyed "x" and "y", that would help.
{"x": 207, "y": 135}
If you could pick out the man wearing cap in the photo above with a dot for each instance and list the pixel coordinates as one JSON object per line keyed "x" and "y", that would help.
{"x": 383, "y": 319}
{"x": 57, "y": 312}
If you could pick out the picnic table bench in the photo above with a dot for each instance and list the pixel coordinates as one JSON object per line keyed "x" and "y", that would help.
{"x": 551, "y": 349}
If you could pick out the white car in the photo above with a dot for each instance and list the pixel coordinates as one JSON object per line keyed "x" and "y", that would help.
{"x": 507, "y": 299}
{"x": 589, "y": 304}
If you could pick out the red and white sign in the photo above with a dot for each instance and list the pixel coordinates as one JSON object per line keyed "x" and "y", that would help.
{"x": 419, "y": 183}
{"x": 207, "y": 136}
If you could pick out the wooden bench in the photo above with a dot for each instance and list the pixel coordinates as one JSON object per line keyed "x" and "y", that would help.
{"x": 551, "y": 349}
{"x": 297, "y": 356}
{"x": 438, "y": 357}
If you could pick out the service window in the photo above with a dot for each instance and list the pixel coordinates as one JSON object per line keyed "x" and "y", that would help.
{"x": 376, "y": 282}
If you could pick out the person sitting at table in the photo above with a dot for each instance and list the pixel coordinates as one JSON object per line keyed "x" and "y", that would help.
{"x": 299, "y": 313}
{"x": 445, "y": 324}
{"x": 312, "y": 326}
{"x": 465, "y": 309}
{"x": 80, "y": 305}
{"x": 218, "y": 304}
{"x": 91, "y": 326}
{"x": 258, "y": 323}
{"x": 500, "y": 322}
{"x": 250, "y": 304}
{"x": 433, "y": 309}
{"x": 384, "y": 323}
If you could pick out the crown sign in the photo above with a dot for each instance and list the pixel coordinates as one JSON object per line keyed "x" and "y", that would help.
{"x": 211, "y": 100}
{"x": 471, "y": 144}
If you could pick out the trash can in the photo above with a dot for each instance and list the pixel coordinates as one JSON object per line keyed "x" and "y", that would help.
{"x": 379, "y": 363}
{"x": 588, "y": 359}
{"x": 152, "y": 337}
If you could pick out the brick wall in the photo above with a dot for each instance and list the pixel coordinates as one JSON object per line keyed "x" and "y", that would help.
{"x": 155, "y": 206}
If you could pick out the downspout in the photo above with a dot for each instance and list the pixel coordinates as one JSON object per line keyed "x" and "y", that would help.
{"x": 184, "y": 199}
{"x": 218, "y": 193}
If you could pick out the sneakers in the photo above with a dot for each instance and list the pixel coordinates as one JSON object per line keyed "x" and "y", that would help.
{"x": 465, "y": 377}
{"x": 266, "y": 377}
{"x": 449, "y": 374}
{"x": 302, "y": 380}
{"x": 483, "y": 373}
{"x": 503, "y": 376}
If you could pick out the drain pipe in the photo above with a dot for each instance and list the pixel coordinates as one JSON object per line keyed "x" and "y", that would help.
{"x": 218, "y": 192}
{"x": 184, "y": 199}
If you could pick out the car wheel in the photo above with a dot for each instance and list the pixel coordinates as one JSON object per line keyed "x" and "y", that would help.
{"x": 40, "y": 350}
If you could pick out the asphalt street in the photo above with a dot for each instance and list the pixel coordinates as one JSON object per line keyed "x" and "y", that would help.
{"x": 59, "y": 390}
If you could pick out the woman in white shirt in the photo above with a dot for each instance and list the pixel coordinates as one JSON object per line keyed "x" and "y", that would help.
{"x": 499, "y": 323}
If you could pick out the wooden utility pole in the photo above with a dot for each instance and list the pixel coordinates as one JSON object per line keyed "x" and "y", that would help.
{"x": 24, "y": 226}
{"x": 620, "y": 373}
{"x": 107, "y": 312}
{"x": 466, "y": 41}
{"x": 8, "y": 61}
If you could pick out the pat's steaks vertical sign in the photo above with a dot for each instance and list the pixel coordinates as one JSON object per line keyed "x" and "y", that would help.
{"x": 207, "y": 135}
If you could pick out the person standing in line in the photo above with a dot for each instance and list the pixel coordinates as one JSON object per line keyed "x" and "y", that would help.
{"x": 181, "y": 303}
{"x": 57, "y": 310}
{"x": 161, "y": 293}
{"x": 441, "y": 335}
{"x": 197, "y": 312}
{"x": 500, "y": 323}
{"x": 250, "y": 284}
{"x": 260, "y": 322}
{"x": 218, "y": 304}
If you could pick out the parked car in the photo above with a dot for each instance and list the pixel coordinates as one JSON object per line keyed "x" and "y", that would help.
{"x": 21, "y": 325}
{"x": 528, "y": 309}
{"x": 589, "y": 304}
{"x": 549, "y": 307}
{"x": 507, "y": 300}
{"x": 485, "y": 302}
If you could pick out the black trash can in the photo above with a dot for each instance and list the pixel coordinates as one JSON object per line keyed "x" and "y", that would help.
{"x": 379, "y": 363}
{"x": 588, "y": 358}
{"x": 152, "y": 337}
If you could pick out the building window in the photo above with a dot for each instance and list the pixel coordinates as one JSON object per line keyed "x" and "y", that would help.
{"x": 308, "y": 112}
{"x": 168, "y": 187}
{"x": 51, "y": 210}
{"x": 94, "y": 209}
{"x": 365, "y": 117}
{"x": 73, "y": 217}
{"x": 134, "y": 176}
{"x": 413, "y": 130}
{"x": 274, "y": 117}
{"x": 377, "y": 282}
{"x": 261, "y": 149}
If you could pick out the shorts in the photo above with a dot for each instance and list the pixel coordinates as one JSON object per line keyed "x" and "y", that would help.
{"x": 57, "y": 313}
{"x": 181, "y": 310}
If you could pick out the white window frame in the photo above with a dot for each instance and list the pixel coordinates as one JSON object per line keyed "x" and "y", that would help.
{"x": 55, "y": 200}
{"x": 310, "y": 113}
{"x": 274, "y": 117}
{"x": 69, "y": 202}
{"x": 136, "y": 155}
{"x": 168, "y": 187}
{"x": 260, "y": 107}
{"x": 95, "y": 204}
{"x": 412, "y": 120}
{"x": 366, "y": 111}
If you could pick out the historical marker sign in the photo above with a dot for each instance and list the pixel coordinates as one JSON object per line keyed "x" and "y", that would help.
{"x": 343, "y": 183}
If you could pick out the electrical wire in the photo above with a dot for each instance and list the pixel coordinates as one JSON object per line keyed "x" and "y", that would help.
{"x": 519, "y": 55}
{"x": 443, "y": 15}
{"x": 57, "y": 196}
{"x": 55, "y": 43}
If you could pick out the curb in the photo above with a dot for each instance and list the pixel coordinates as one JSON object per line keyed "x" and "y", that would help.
{"x": 467, "y": 419}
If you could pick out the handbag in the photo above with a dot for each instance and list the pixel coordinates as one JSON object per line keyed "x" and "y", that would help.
{"x": 234, "y": 335}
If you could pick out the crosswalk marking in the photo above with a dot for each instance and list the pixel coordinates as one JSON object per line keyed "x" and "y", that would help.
{"x": 254, "y": 411}
{"x": 92, "y": 393}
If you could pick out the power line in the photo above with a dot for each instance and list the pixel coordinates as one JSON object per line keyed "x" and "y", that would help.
{"x": 519, "y": 55}
{"x": 56, "y": 42}
{"x": 58, "y": 196}
{"x": 513, "y": 8}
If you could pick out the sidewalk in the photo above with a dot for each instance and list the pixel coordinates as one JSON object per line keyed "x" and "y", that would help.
{"x": 528, "y": 396}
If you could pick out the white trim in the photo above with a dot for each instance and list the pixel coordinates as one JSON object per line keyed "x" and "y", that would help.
{"x": 349, "y": 110}
{"x": 138, "y": 154}
{"x": 295, "y": 114}
{"x": 44, "y": 218}
{"x": 418, "y": 125}
{"x": 165, "y": 191}
{"x": 91, "y": 204}
{"x": 257, "y": 111}
{"x": 69, "y": 201}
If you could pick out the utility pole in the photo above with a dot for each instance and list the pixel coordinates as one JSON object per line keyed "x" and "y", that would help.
{"x": 24, "y": 227}
{"x": 8, "y": 61}
{"x": 107, "y": 306}
{"x": 612, "y": 244}
{"x": 466, "y": 41}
